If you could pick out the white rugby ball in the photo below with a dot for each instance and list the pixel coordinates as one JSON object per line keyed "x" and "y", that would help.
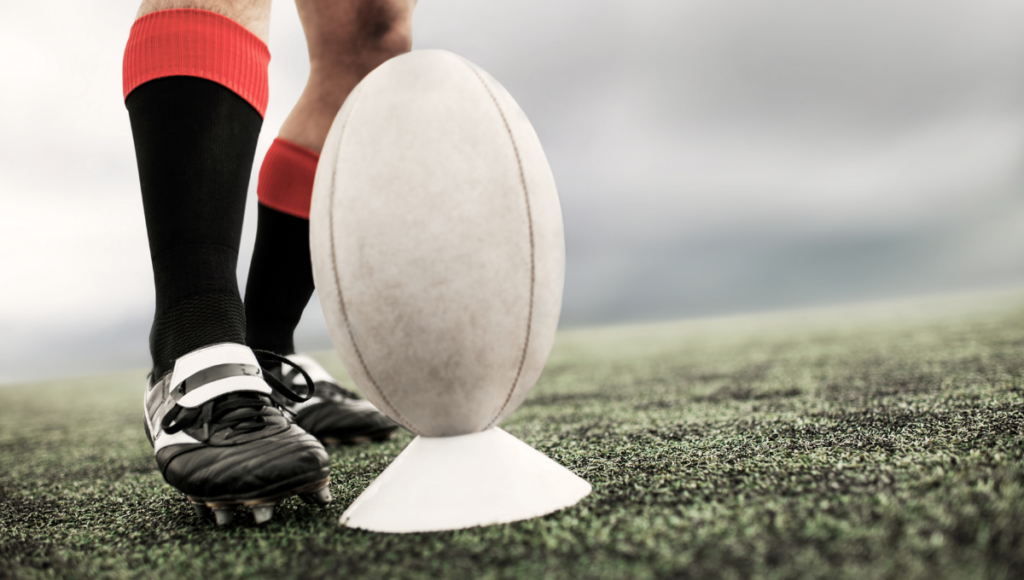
{"x": 437, "y": 243}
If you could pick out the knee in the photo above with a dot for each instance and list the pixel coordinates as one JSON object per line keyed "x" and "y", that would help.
{"x": 384, "y": 26}
{"x": 377, "y": 30}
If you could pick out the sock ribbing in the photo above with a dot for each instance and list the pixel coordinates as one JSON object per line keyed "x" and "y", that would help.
{"x": 194, "y": 142}
{"x": 195, "y": 86}
{"x": 281, "y": 272}
{"x": 286, "y": 178}
{"x": 197, "y": 43}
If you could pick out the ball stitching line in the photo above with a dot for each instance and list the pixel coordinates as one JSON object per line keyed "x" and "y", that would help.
{"x": 337, "y": 279}
{"x": 529, "y": 221}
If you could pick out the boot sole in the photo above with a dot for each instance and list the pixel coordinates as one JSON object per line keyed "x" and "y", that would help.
{"x": 223, "y": 509}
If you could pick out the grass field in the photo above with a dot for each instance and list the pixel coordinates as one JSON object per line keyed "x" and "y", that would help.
{"x": 880, "y": 441}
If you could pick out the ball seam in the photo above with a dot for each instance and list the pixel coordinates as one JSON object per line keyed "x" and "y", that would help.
{"x": 529, "y": 221}
{"x": 337, "y": 277}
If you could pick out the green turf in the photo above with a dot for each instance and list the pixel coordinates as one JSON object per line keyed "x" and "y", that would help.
{"x": 871, "y": 442}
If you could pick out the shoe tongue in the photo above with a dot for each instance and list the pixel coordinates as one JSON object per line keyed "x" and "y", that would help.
{"x": 256, "y": 418}
{"x": 251, "y": 401}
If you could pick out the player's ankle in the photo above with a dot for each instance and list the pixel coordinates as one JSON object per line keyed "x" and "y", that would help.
{"x": 195, "y": 322}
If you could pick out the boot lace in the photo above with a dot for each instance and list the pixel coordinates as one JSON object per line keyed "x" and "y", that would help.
{"x": 243, "y": 412}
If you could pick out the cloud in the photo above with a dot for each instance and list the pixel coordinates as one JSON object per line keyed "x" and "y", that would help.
{"x": 697, "y": 116}
{"x": 711, "y": 155}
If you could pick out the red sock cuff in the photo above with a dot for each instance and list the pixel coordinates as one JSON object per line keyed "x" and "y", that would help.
{"x": 286, "y": 178}
{"x": 197, "y": 43}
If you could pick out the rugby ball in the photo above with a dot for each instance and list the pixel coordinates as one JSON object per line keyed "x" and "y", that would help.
{"x": 437, "y": 244}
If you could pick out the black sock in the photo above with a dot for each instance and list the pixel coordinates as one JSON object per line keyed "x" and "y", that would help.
{"x": 280, "y": 281}
{"x": 194, "y": 142}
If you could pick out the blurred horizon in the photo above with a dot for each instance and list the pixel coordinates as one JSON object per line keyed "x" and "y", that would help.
{"x": 118, "y": 347}
{"x": 712, "y": 158}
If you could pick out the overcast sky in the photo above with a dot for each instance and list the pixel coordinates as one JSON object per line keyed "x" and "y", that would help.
{"x": 712, "y": 156}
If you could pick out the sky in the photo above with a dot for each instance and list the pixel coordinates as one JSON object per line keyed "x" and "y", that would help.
{"x": 712, "y": 157}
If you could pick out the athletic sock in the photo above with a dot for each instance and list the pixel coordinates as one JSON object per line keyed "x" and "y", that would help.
{"x": 195, "y": 85}
{"x": 280, "y": 279}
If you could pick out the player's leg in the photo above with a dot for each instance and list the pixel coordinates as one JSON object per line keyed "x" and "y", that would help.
{"x": 195, "y": 138}
{"x": 195, "y": 88}
{"x": 346, "y": 40}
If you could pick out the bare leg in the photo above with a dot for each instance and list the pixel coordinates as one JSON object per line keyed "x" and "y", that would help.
{"x": 254, "y": 15}
{"x": 347, "y": 39}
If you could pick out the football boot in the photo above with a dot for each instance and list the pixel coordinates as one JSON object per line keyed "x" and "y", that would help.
{"x": 220, "y": 437}
{"x": 334, "y": 414}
